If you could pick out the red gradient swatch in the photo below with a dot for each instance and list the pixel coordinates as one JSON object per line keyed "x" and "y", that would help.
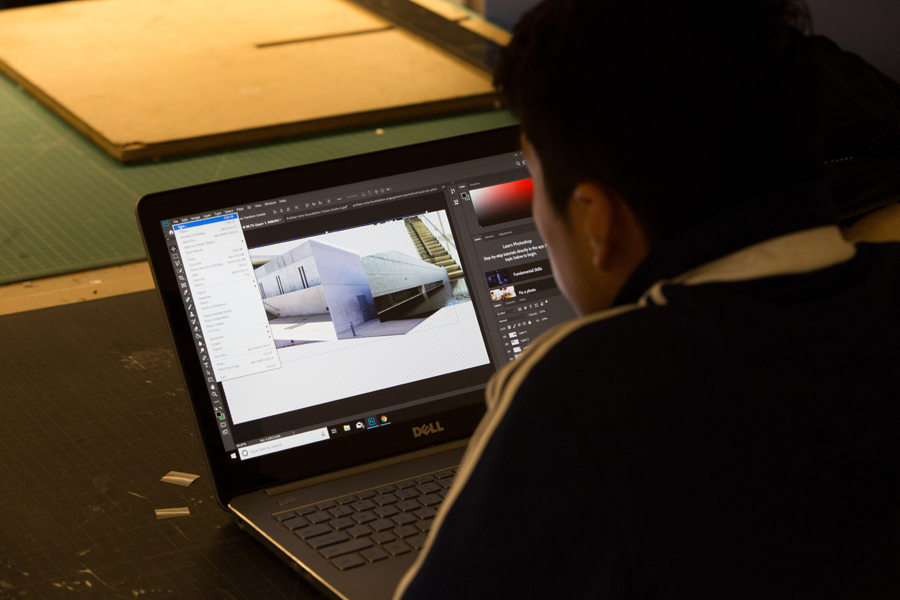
{"x": 502, "y": 203}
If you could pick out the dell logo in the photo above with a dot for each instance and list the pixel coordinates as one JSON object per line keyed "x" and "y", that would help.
{"x": 426, "y": 429}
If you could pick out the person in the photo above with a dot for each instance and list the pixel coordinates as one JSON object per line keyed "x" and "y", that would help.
{"x": 721, "y": 419}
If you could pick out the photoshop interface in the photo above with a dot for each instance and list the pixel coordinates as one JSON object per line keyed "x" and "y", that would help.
{"x": 334, "y": 281}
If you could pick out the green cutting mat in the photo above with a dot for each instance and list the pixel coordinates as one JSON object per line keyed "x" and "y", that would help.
{"x": 66, "y": 206}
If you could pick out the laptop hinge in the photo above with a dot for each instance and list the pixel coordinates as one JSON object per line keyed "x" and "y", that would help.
{"x": 371, "y": 466}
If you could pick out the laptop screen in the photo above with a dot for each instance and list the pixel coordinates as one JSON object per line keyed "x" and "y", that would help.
{"x": 333, "y": 313}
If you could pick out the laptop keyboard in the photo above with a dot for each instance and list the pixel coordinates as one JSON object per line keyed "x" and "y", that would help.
{"x": 372, "y": 525}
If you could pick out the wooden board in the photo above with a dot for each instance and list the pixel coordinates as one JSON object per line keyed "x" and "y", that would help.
{"x": 148, "y": 78}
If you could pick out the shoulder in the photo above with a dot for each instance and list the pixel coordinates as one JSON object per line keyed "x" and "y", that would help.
{"x": 622, "y": 357}
{"x": 727, "y": 331}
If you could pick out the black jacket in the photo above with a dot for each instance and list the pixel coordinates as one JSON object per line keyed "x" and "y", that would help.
{"x": 728, "y": 430}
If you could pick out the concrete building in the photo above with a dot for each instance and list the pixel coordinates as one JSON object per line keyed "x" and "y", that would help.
{"x": 396, "y": 279}
{"x": 315, "y": 284}
{"x": 316, "y": 278}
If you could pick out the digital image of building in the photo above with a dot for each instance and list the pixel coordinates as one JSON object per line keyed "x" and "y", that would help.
{"x": 317, "y": 279}
{"x": 318, "y": 292}
{"x": 399, "y": 283}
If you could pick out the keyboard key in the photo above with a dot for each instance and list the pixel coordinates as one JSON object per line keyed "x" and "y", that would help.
{"x": 404, "y": 519}
{"x": 417, "y": 541}
{"x": 396, "y": 548}
{"x": 405, "y": 484}
{"x": 350, "y": 561}
{"x": 443, "y": 493}
{"x": 424, "y": 479}
{"x": 406, "y": 531}
{"x": 443, "y": 474}
{"x": 340, "y": 511}
{"x": 295, "y": 523}
{"x": 381, "y": 525}
{"x": 325, "y": 505}
{"x": 312, "y": 531}
{"x": 374, "y": 554}
{"x": 342, "y": 523}
{"x": 363, "y": 505}
{"x": 384, "y": 499}
{"x": 359, "y": 531}
{"x": 346, "y": 548}
{"x": 306, "y": 510}
{"x": 428, "y": 488}
{"x": 408, "y": 505}
{"x": 284, "y": 516}
{"x": 346, "y": 500}
{"x": 328, "y": 539}
{"x": 428, "y": 500}
{"x": 363, "y": 517}
{"x": 385, "y": 511}
{"x": 406, "y": 494}
{"x": 365, "y": 495}
{"x": 319, "y": 517}
{"x": 426, "y": 513}
{"x": 424, "y": 526}
{"x": 446, "y": 483}
{"x": 383, "y": 537}
{"x": 386, "y": 489}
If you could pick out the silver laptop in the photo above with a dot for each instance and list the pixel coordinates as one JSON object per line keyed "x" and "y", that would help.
{"x": 336, "y": 324}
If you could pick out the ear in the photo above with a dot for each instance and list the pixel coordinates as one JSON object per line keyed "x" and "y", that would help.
{"x": 596, "y": 211}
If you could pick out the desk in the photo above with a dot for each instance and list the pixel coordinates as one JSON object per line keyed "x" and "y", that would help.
{"x": 93, "y": 414}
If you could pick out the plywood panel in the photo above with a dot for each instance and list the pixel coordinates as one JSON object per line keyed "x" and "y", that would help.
{"x": 153, "y": 77}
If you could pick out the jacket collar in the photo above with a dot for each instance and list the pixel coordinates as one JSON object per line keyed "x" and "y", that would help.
{"x": 799, "y": 207}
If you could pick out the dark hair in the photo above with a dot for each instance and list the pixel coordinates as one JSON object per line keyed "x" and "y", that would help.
{"x": 681, "y": 106}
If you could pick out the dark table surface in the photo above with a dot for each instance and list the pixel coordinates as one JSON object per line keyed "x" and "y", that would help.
{"x": 92, "y": 414}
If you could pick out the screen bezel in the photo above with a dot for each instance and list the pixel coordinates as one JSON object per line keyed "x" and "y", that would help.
{"x": 235, "y": 477}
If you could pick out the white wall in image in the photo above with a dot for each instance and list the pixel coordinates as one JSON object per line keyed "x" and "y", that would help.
{"x": 391, "y": 272}
{"x": 299, "y": 303}
{"x": 294, "y": 270}
{"x": 318, "y": 278}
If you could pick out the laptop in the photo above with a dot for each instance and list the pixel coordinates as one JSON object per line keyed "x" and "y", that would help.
{"x": 335, "y": 325}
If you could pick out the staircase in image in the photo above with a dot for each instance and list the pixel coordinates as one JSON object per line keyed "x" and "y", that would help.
{"x": 431, "y": 250}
